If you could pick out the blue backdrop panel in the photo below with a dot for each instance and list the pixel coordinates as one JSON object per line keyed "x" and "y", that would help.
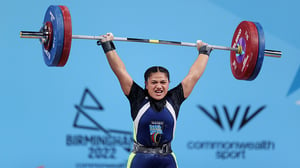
{"x": 78, "y": 117}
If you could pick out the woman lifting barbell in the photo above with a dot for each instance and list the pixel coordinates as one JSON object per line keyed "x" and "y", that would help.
{"x": 154, "y": 110}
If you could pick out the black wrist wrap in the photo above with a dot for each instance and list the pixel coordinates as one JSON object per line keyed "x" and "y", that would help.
{"x": 107, "y": 46}
{"x": 205, "y": 50}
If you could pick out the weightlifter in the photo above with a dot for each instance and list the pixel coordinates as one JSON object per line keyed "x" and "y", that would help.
{"x": 154, "y": 109}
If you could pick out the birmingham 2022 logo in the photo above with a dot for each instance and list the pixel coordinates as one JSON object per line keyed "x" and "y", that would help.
{"x": 101, "y": 145}
{"x": 231, "y": 149}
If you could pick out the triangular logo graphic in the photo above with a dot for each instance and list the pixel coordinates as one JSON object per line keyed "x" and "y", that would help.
{"x": 82, "y": 118}
{"x": 86, "y": 118}
{"x": 89, "y": 101}
{"x": 296, "y": 83}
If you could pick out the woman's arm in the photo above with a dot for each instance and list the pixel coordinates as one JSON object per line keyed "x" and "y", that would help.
{"x": 196, "y": 69}
{"x": 116, "y": 64}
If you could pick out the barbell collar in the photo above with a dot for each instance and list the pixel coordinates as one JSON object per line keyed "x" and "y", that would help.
{"x": 31, "y": 34}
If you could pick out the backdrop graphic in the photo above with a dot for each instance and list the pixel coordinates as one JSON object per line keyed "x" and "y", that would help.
{"x": 78, "y": 117}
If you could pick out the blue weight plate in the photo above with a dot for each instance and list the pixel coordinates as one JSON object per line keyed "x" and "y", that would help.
{"x": 261, "y": 51}
{"x": 55, "y": 16}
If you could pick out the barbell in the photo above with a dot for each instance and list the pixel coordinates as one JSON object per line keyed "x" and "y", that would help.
{"x": 247, "y": 49}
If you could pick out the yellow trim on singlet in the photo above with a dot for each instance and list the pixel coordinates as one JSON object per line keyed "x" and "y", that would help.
{"x": 173, "y": 154}
{"x": 130, "y": 158}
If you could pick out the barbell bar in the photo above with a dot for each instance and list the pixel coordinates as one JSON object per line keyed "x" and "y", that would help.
{"x": 38, "y": 35}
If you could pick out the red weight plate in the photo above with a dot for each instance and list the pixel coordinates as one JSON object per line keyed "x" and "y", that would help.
{"x": 243, "y": 65}
{"x": 67, "y": 35}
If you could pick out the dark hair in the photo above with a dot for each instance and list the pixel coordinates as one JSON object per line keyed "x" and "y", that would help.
{"x": 154, "y": 69}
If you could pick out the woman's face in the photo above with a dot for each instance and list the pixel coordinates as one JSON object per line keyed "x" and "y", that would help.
{"x": 157, "y": 85}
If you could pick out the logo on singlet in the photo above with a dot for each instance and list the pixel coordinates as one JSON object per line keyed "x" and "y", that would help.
{"x": 156, "y": 131}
